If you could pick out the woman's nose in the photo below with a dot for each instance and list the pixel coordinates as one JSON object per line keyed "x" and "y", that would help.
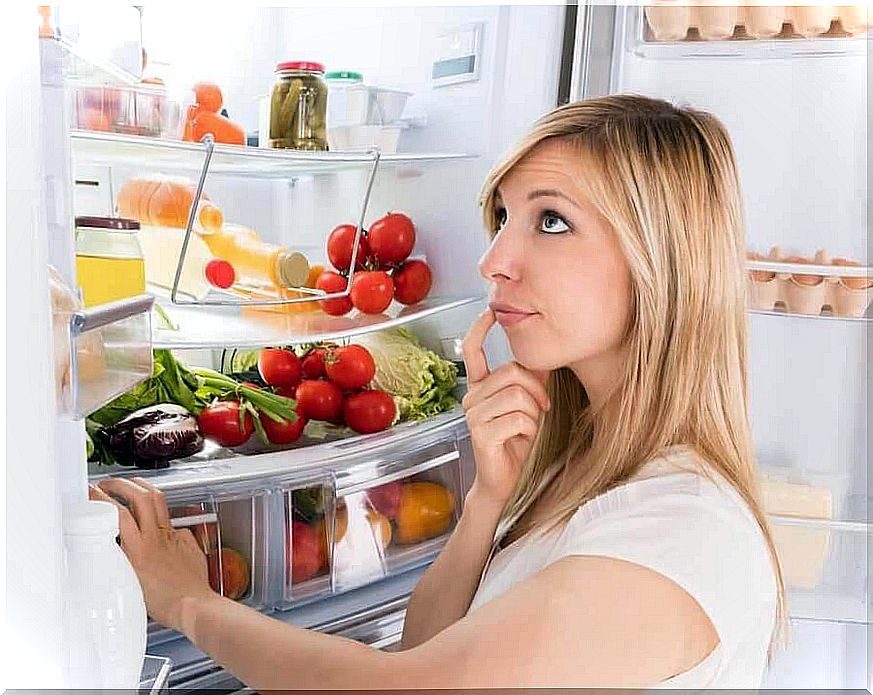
{"x": 502, "y": 260}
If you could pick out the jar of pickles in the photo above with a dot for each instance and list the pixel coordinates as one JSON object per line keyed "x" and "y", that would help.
{"x": 298, "y": 107}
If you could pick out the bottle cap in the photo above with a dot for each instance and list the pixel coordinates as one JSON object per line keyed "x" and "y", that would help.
{"x": 220, "y": 273}
{"x": 94, "y": 518}
{"x": 304, "y": 65}
{"x": 292, "y": 269}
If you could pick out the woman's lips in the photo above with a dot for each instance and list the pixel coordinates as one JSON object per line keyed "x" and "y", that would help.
{"x": 510, "y": 316}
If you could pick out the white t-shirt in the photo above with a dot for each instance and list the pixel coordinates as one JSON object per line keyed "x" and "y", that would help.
{"x": 699, "y": 534}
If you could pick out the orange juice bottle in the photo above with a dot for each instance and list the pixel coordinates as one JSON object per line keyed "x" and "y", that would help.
{"x": 256, "y": 260}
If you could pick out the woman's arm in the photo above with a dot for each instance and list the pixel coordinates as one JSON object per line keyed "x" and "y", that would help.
{"x": 443, "y": 594}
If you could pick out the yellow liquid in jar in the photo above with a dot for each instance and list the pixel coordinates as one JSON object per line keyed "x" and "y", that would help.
{"x": 105, "y": 279}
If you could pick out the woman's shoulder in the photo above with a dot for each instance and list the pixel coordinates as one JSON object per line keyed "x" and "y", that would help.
{"x": 692, "y": 528}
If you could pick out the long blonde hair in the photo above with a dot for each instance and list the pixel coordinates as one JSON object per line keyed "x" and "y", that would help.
{"x": 665, "y": 178}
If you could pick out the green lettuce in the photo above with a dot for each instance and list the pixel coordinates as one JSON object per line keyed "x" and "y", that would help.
{"x": 420, "y": 381}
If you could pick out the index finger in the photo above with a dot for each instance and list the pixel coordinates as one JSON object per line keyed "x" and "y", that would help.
{"x": 473, "y": 350}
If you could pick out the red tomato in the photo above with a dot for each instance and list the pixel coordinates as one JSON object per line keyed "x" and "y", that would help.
{"x": 320, "y": 400}
{"x": 287, "y": 391}
{"x": 385, "y": 499}
{"x": 283, "y": 432}
{"x": 412, "y": 282}
{"x": 313, "y": 364}
{"x": 221, "y": 423}
{"x": 306, "y": 555}
{"x": 369, "y": 411}
{"x": 392, "y": 238}
{"x": 331, "y": 282}
{"x": 279, "y": 367}
{"x": 372, "y": 291}
{"x": 340, "y": 244}
{"x": 351, "y": 367}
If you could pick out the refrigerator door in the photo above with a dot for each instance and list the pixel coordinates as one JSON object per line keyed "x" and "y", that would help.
{"x": 797, "y": 111}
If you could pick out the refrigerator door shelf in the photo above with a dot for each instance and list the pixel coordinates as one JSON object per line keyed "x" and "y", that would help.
{"x": 155, "y": 675}
{"x": 110, "y": 351}
{"x": 205, "y": 327}
{"x": 824, "y": 564}
{"x": 671, "y": 32}
{"x": 109, "y": 149}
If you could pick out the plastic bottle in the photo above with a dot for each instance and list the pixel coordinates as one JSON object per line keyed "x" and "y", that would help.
{"x": 669, "y": 21}
{"x": 764, "y": 21}
{"x": 201, "y": 272}
{"x": 811, "y": 20}
{"x": 255, "y": 260}
{"x": 104, "y": 612}
{"x": 715, "y": 20}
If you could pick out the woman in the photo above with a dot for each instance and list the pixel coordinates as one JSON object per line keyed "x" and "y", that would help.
{"x": 614, "y": 469}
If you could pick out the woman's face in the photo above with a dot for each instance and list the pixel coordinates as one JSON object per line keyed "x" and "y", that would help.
{"x": 560, "y": 285}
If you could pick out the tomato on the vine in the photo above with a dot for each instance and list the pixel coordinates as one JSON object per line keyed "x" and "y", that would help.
{"x": 279, "y": 367}
{"x": 331, "y": 282}
{"x": 221, "y": 422}
{"x": 313, "y": 363}
{"x": 372, "y": 291}
{"x": 340, "y": 244}
{"x": 412, "y": 282}
{"x": 369, "y": 411}
{"x": 320, "y": 400}
{"x": 351, "y": 367}
{"x": 392, "y": 238}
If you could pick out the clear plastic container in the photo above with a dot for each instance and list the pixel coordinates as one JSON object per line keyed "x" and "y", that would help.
{"x": 365, "y": 137}
{"x": 143, "y": 110}
{"x": 104, "y": 611}
{"x": 109, "y": 259}
{"x": 348, "y": 99}
{"x": 309, "y": 522}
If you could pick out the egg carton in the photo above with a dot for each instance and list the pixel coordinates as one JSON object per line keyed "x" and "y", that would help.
{"x": 808, "y": 293}
{"x": 677, "y": 21}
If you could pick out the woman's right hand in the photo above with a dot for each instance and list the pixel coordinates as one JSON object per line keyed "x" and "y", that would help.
{"x": 503, "y": 411}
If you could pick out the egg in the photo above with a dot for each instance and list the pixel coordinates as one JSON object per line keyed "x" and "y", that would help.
{"x": 759, "y": 275}
{"x": 852, "y": 283}
{"x": 800, "y": 278}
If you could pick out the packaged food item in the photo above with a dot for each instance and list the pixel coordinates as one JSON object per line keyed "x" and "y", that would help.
{"x": 298, "y": 107}
{"x": 165, "y": 201}
{"x": 255, "y": 260}
{"x": 143, "y": 110}
{"x": 201, "y": 272}
{"x": 348, "y": 99}
{"x": 109, "y": 260}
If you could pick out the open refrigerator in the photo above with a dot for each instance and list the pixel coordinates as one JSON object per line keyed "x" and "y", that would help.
{"x": 796, "y": 107}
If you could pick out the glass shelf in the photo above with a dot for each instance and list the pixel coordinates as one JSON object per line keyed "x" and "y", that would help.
{"x": 199, "y": 327}
{"x": 109, "y": 149}
{"x": 816, "y": 317}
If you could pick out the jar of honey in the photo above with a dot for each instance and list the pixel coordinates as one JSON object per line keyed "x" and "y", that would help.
{"x": 109, "y": 260}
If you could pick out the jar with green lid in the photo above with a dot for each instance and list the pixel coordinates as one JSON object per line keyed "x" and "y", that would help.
{"x": 298, "y": 107}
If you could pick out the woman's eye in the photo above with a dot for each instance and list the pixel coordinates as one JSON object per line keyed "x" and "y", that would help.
{"x": 501, "y": 218}
{"x": 552, "y": 223}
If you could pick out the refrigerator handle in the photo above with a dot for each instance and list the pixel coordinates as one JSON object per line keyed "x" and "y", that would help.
{"x": 589, "y": 56}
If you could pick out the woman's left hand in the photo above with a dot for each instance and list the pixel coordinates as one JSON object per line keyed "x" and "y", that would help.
{"x": 170, "y": 565}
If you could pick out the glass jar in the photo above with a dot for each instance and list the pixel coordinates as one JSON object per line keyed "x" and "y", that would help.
{"x": 298, "y": 107}
{"x": 109, "y": 260}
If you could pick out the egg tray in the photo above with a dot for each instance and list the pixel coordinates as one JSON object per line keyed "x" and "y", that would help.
{"x": 830, "y": 295}
{"x": 788, "y": 27}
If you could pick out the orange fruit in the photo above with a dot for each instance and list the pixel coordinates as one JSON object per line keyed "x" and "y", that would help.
{"x": 426, "y": 511}
{"x": 379, "y": 524}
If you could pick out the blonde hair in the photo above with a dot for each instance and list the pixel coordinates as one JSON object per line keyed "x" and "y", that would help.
{"x": 665, "y": 178}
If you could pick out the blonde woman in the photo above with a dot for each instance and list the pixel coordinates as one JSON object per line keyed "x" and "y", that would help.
{"x": 612, "y": 536}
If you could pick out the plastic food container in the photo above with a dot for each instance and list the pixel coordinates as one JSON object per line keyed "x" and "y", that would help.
{"x": 352, "y": 103}
{"x": 365, "y": 137}
{"x": 308, "y": 521}
{"x": 298, "y": 107}
{"x": 139, "y": 110}
{"x": 109, "y": 259}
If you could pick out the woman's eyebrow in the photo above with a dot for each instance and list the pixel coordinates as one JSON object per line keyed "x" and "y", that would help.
{"x": 551, "y": 193}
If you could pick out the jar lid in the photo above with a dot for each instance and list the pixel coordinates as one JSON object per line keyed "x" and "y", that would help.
{"x": 94, "y": 518}
{"x": 300, "y": 65}
{"x": 344, "y": 75}
{"x": 107, "y": 223}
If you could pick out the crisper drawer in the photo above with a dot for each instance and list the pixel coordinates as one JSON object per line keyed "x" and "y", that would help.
{"x": 825, "y": 566}
{"x": 232, "y": 530}
{"x": 369, "y": 520}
